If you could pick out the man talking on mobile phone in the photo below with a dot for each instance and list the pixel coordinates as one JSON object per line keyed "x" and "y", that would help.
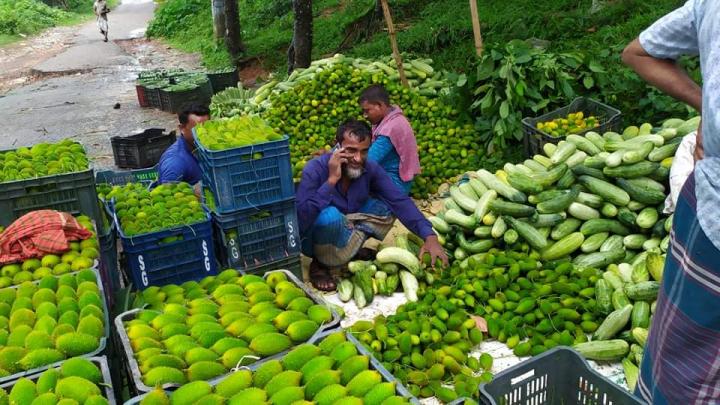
{"x": 344, "y": 199}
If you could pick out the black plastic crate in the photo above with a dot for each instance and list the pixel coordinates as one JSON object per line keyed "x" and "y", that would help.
{"x": 558, "y": 376}
{"x": 222, "y": 80}
{"x": 610, "y": 120}
{"x": 71, "y": 192}
{"x": 141, "y": 150}
{"x": 174, "y": 101}
{"x": 293, "y": 264}
{"x": 258, "y": 236}
{"x": 152, "y": 97}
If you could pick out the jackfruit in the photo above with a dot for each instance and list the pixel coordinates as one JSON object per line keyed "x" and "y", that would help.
{"x": 96, "y": 400}
{"x": 64, "y": 291}
{"x": 257, "y": 330}
{"x": 249, "y": 396}
{"x": 47, "y": 398}
{"x": 320, "y": 314}
{"x": 86, "y": 275}
{"x": 21, "y": 303}
{"x": 288, "y": 395}
{"x": 162, "y": 360}
{"x": 205, "y": 370}
{"x": 69, "y": 318}
{"x": 328, "y": 344}
{"x": 299, "y": 356}
{"x": 248, "y": 279}
{"x": 22, "y": 316}
{"x": 40, "y": 357}
{"x": 38, "y": 340}
{"x": 343, "y": 351}
{"x": 47, "y": 309}
{"x": 238, "y": 327}
{"x": 285, "y": 285}
{"x": 61, "y": 330}
{"x": 268, "y": 344}
{"x": 48, "y": 380}
{"x": 330, "y": 394}
{"x": 235, "y": 383}
{"x": 227, "y": 343}
{"x": 301, "y": 331}
{"x": 173, "y": 329}
{"x": 175, "y": 309}
{"x": 265, "y": 372}
{"x": 199, "y": 354}
{"x": 68, "y": 401}
{"x": 68, "y": 304}
{"x": 92, "y": 326}
{"x": 195, "y": 319}
{"x": 363, "y": 382}
{"x": 81, "y": 367}
{"x": 18, "y": 336}
{"x": 226, "y": 289}
{"x": 145, "y": 355}
{"x": 43, "y": 295}
{"x": 76, "y": 388}
{"x": 261, "y": 296}
{"x": 163, "y": 320}
{"x": 189, "y": 393}
{"x": 352, "y": 366}
{"x": 268, "y": 315}
{"x": 237, "y": 306}
{"x": 284, "y": 298}
{"x": 285, "y": 379}
{"x": 211, "y": 399}
{"x": 315, "y": 366}
{"x": 300, "y": 304}
{"x": 284, "y": 319}
{"x": 163, "y": 375}
{"x": 76, "y": 344}
{"x": 238, "y": 356}
{"x": 86, "y": 286}
{"x": 90, "y": 298}
{"x": 261, "y": 307}
{"x": 231, "y": 317}
{"x": 23, "y": 392}
{"x": 92, "y": 310}
{"x": 139, "y": 331}
{"x": 319, "y": 381}
{"x": 156, "y": 397}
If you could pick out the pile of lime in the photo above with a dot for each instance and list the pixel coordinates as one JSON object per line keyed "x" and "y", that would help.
{"x": 167, "y": 206}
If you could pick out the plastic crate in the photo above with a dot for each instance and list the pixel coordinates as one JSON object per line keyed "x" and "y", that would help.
{"x": 254, "y": 237}
{"x": 221, "y": 81}
{"x": 558, "y": 376}
{"x": 610, "y": 120}
{"x": 293, "y": 264}
{"x": 105, "y": 385}
{"x": 109, "y": 260}
{"x": 152, "y": 261}
{"x": 103, "y": 341}
{"x": 71, "y": 192}
{"x": 247, "y": 177}
{"x": 120, "y": 178}
{"x": 174, "y": 101}
{"x": 142, "y": 100}
{"x": 134, "y": 368}
{"x": 152, "y": 95}
{"x": 141, "y": 150}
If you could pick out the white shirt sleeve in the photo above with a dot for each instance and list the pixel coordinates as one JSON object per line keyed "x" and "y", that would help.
{"x": 673, "y": 35}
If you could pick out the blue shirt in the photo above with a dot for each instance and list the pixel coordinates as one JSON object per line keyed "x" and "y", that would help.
{"x": 383, "y": 152}
{"x": 315, "y": 194}
{"x": 177, "y": 163}
{"x": 694, "y": 29}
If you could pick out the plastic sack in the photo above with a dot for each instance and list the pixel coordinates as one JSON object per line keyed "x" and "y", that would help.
{"x": 682, "y": 166}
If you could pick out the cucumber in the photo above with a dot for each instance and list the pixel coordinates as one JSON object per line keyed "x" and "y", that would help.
{"x": 607, "y": 191}
{"x": 510, "y": 236}
{"x": 565, "y": 228}
{"x": 463, "y": 200}
{"x": 510, "y": 208}
{"x": 450, "y": 204}
{"x": 613, "y": 323}
{"x": 609, "y": 210}
{"x": 605, "y": 350}
{"x": 652, "y": 243}
{"x": 661, "y": 174}
{"x": 614, "y": 281}
{"x": 533, "y": 237}
{"x": 639, "y": 154}
{"x": 581, "y": 170}
{"x": 543, "y": 160}
{"x": 551, "y": 176}
{"x": 640, "y": 317}
{"x": 399, "y": 256}
{"x": 548, "y": 195}
{"x": 559, "y": 203}
{"x": 457, "y": 218}
{"x": 483, "y": 232}
{"x": 535, "y": 166}
{"x": 632, "y": 171}
{"x": 635, "y": 206}
{"x": 583, "y": 212}
{"x": 597, "y": 161}
{"x": 524, "y": 183}
{"x": 564, "y": 246}
{"x": 547, "y": 220}
{"x": 612, "y": 136}
{"x": 549, "y": 148}
{"x": 647, "y": 218}
{"x": 598, "y": 225}
{"x": 634, "y": 241}
{"x": 467, "y": 190}
{"x": 583, "y": 144}
{"x": 603, "y": 296}
{"x": 483, "y": 205}
{"x": 591, "y": 200}
{"x": 439, "y": 224}
{"x": 523, "y": 169}
{"x": 612, "y": 242}
{"x": 665, "y": 151}
{"x": 627, "y": 217}
{"x": 599, "y": 259}
{"x": 499, "y": 228}
{"x": 478, "y": 186}
{"x": 643, "y": 190}
{"x": 645, "y": 291}
{"x": 505, "y": 190}
{"x": 563, "y": 152}
{"x": 577, "y": 158}
{"x": 477, "y": 246}
{"x": 593, "y": 242}
{"x": 567, "y": 180}
{"x": 596, "y": 139}
{"x": 615, "y": 158}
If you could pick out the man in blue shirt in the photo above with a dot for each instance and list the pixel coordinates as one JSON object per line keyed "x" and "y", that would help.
{"x": 178, "y": 163}
{"x": 681, "y": 359}
{"x": 343, "y": 199}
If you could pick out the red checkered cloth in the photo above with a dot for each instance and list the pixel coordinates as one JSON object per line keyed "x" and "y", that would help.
{"x": 39, "y": 233}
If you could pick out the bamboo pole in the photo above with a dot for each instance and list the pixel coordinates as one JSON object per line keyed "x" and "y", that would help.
{"x": 476, "y": 27}
{"x": 393, "y": 43}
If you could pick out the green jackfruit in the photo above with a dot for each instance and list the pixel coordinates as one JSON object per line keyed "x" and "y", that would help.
{"x": 363, "y": 382}
{"x": 227, "y": 289}
{"x": 349, "y": 401}
{"x": 68, "y": 401}
{"x": 163, "y": 320}
{"x": 284, "y": 298}
{"x": 227, "y": 343}
{"x": 87, "y": 286}
{"x": 301, "y": 331}
{"x": 195, "y": 319}
{"x": 140, "y": 331}
{"x": 211, "y": 399}
{"x": 394, "y": 400}
{"x": 238, "y": 327}
{"x": 181, "y": 348}
{"x": 205, "y": 370}
{"x": 156, "y": 397}
{"x": 64, "y": 291}
{"x": 274, "y": 278}
{"x": 92, "y": 326}
{"x": 238, "y": 356}
{"x": 162, "y": 360}
{"x": 261, "y": 296}
{"x": 163, "y": 375}
{"x": 249, "y": 396}
{"x": 47, "y": 398}
{"x": 343, "y": 351}
{"x": 23, "y": 392}
{"x": 330, "y": 394}
{"x": 61, "y": 330}
{"x": 22, "y": 316}
{"x": 285, "y": 379}
{"x": 21, "y": 303}
{"x": 284, "y": 319}
{"x": 257, "y": 330}
{"x": 76, "y": 388}
{"x": 235, "y": 383}
{"x": 68, "y": 304}
{"x": 4, "y": 337}
{"x": 352, "y": 366}
{"x": 45, "y": 324}
{"x": 300, "y": 304}
{"x": 173, "y": 329}
{"x": 328, "y": 344}
{"x": 96, "y": 400}
{"x": 268, "y": 315}
{"x": 38, "y": 340}
{"x": 248, "y": 279}
{"x": 268, "y": 344}
{"x": 299, "y": 356}
{"x": 9, "y": 358}
{"x": 315, "y": 366}
{"x": 18, "y": 336}
{"x": 92, "y": 310}
{"x": 189, "y": 393}
{"x": 209, "y": 337}
{"x": 261, "y": 307}
{"x": 71, "y": 318}
{"x": 40, "y": 357}
{"x": 199, "y": 354}
{"x": 141, "y": 343}
{"x": 81, "y": 367}
{"x": 85, "y": 275}
{"x": 237, "y": 306}
{"x": 48, "y": 380}
{"x": 90, "y": 298}
{"x": 43, "y": 295}
{"x": 265, "y": 372}
{"x": 7, "y": 295}
{"x": 288, "y": 395}
{"x": 320, "y": 381}
{"x": 175, "y": 310}
{"x": 231, "y": 317}
{"x": 321, "y": 314}
{"x": 147, "y": 354}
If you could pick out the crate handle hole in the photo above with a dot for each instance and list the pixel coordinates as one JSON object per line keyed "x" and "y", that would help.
{"x": 260, "y": 215}
{"x": 253, "y": 156}
{"x": 522, "y": 377}
{"x": 171, "y": 239}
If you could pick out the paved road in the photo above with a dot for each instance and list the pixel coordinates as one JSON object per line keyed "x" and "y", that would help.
{"x": 81, "y": 86}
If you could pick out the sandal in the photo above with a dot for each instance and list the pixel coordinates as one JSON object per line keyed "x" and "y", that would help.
{"x": 366, "y": 254}
{"x": 320, "y": 277}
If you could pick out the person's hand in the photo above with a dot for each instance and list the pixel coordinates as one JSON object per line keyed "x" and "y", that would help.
{"x": 434, "y": 249}
{"x": 335, "y": 165}
{"x": 699, "y": 151}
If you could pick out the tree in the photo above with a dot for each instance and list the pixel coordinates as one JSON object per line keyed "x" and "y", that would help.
{"x": 300, "y": 51}
{"x": 232, "y": 33}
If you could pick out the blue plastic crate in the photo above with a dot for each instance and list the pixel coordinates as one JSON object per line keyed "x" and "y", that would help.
{"x": 152, "y": 261}
{"x": 254, "y": 237}
{"x": 109, "y": 259}
{"x": 120, "y": 178}
{"x": 247, "y": 177}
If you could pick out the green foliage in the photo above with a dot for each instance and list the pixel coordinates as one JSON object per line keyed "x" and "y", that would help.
{"x": 28, "y": 16}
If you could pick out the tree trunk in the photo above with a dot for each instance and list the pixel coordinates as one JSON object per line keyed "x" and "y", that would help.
{"x": 232, "y": 26}
{"x": 218, "y": 15}
{"x": 300, "y": 52}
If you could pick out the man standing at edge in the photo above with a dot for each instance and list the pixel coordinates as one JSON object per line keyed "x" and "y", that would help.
{"x": 681, "y": 362}
{"x": 178, "y": 162}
